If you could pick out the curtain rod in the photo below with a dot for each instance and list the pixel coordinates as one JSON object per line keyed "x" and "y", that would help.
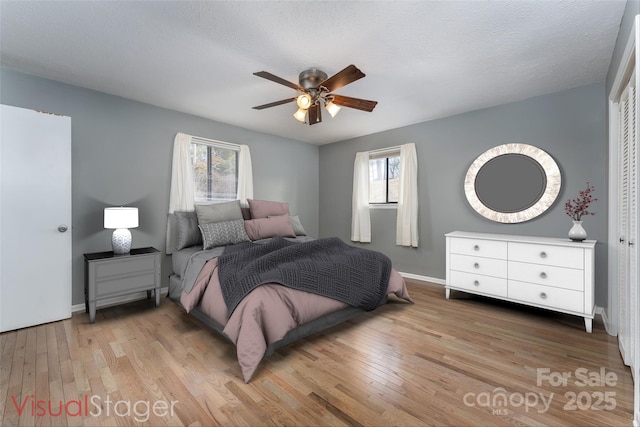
{"x": 384, "y": 150}
{"x": 229, "y": 145}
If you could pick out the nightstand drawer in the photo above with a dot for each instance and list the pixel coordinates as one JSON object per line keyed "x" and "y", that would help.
{"x": 126, "y": 284}
{"x": 478, "y": 283}
{"x": 478, "y": 265}
{"x": 563, "y": 299}
{"x": 560, "y": 277}
{"x": 124, "y": 266}
{"x": 546, "y": 254}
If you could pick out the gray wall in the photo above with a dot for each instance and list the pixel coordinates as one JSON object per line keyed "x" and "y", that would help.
{"x": 121, "y": 155}
{"x": 568, "y": 125}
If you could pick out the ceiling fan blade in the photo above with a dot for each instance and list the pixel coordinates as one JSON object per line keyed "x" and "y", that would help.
{"x": 267, "y": 75}
{"x": 343, "y": 78}
{"x": 357, "y": 103}
{"x": 315, "y": 114}
{"x": 273, "y": 104}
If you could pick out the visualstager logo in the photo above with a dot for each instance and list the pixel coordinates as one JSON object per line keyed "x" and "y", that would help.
{"x": 499, "y": 400}
{"x": 94, "y": 406}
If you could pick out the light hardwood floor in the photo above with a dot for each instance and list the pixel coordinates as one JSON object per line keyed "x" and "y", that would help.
{"x": 437, "y": 362}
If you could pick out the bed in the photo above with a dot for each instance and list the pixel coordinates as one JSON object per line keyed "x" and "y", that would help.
{"x": 255, "y": 277}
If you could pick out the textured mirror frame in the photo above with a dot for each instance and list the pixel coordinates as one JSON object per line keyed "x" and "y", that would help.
{"x": 550, "y": 194}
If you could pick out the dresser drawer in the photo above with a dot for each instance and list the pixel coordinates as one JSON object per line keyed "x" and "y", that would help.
{"x": 560, "y": 256}
{"x": 562, "y": 299}
{"x": 560, "y": 277}
{"x": 479, "y": 247}
{"x": 479, "y": 284}
{"x": 479, "y": 265}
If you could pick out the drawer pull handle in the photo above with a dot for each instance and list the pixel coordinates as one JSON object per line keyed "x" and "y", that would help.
{"x": 476, "y": 265}
{"x": 476, "y": 248}
{"x": 543, "y": 254}
{"x": 476, "y": 283}
{"x": 543, "y": 295}
{"x": 543, "y": 275}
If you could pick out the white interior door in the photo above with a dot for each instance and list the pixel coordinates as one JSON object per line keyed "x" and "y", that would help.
{"x": 35, "y": 210}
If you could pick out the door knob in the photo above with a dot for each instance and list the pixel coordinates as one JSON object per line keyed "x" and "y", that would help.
{"x": 62, "y": 228}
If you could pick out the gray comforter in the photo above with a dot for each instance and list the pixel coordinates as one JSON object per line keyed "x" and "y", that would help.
{"x": 327, "y": 267}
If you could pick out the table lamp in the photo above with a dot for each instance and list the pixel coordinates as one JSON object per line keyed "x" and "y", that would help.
{"x": 121, "y": 219}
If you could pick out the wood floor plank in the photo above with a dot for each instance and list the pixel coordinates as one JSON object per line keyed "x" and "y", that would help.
{"x": 464, "y": 361}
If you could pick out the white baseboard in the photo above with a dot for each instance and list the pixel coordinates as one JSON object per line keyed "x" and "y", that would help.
{"x": 118, "y": 300}
{"x": 605, "y": 320}
{"x": 423, "y": 278}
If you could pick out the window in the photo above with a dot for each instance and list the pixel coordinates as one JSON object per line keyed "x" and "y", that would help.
{"x": 215, "y": 170}
{"x": 384, "y": 177}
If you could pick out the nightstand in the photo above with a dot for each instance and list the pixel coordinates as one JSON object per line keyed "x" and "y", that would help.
{"x": 108, "y": 275}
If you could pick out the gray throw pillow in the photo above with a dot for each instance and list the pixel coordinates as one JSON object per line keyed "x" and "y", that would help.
{"x": 188, "y": 231}
{"x": 218, "y": 212}
{"x": 223, "y": 233}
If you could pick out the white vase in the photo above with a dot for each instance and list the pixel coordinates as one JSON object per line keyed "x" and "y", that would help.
{"x": 577, "y": 233}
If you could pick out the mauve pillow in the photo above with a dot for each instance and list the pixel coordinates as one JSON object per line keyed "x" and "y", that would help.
{"x": 188, "y": 231}
{"x": 218, "y": 212}
{"x": 264, "y": 208}
{"x": 296, "y": 225}
{"x": 261, "y": 228}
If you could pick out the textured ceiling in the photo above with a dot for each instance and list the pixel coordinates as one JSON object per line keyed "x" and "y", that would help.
{"x": 423, "y": 60}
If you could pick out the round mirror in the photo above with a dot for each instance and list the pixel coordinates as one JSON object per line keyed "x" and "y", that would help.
{"x": 512, "y": 183}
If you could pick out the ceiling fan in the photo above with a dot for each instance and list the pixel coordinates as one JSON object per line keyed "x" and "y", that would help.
{"x": 316, "y": 91}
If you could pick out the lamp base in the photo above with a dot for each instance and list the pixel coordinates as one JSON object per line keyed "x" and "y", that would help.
{"x": 121, "y": 241}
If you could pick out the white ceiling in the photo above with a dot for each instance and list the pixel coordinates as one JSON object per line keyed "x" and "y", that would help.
{"x": 423, "y": 59}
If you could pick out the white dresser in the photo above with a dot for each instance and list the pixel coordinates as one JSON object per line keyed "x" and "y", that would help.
{"x": 552, "y": 273}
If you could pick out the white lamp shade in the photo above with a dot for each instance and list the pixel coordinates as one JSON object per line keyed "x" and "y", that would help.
{"x": 300, "y": 115}
{"x": 304, "y": 101}
{"x": 332, "y": 108}
{"x": 120, "y": 217}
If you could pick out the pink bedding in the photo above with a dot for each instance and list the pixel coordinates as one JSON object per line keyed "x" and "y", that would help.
{"x": 266, "y": 314}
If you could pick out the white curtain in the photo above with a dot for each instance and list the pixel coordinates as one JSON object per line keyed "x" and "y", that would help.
{"x": 182, "y": 195}
{"x": 182, "y": 192}
{"x": 245, "y": 176}
{"x": 407, "y": 219}
{"x": 360, "y": 219}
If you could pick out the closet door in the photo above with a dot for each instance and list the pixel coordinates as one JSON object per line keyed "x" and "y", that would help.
{"x": 632, "y": 270}
{"x": 35, "y": 218}
{"x": 626, "y": 136}
{"x": 623, "y": 250}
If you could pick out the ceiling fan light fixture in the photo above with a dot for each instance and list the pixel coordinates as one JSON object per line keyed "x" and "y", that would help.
{"x": 300, "y": 115}
{"x": 315, "y": 91}
{"x": 332, "y": 108}
{"x": 304, "y": 101}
